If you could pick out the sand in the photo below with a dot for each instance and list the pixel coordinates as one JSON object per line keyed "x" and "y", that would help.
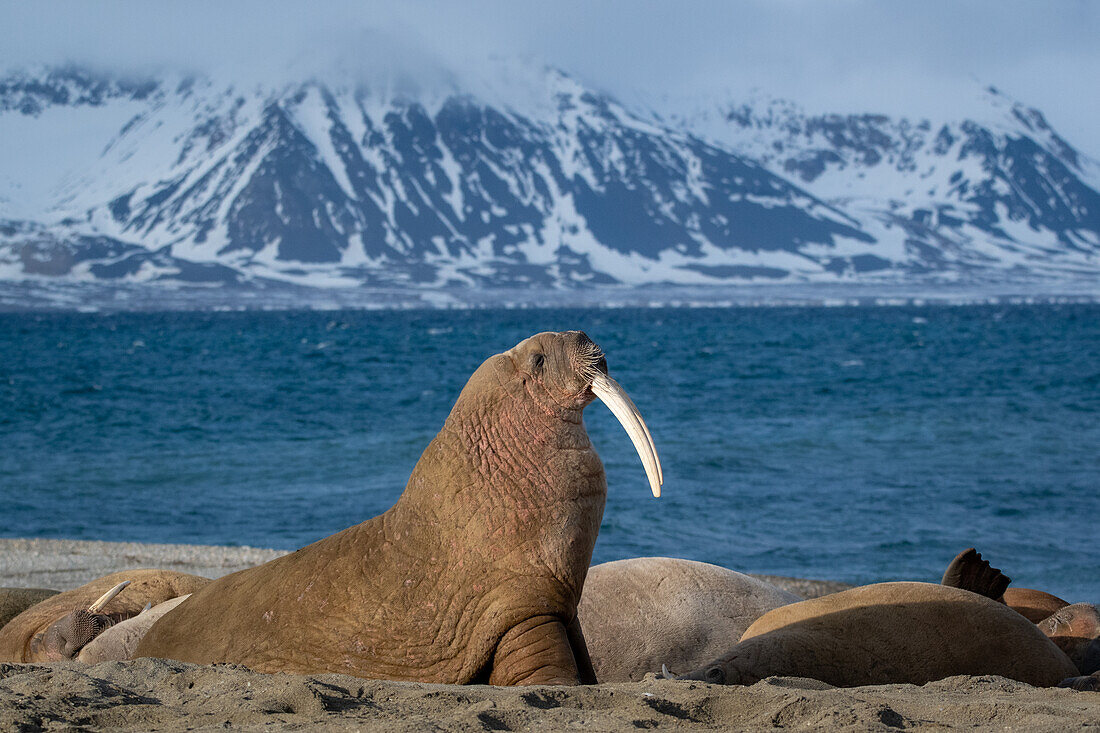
{"x": 149, "y": 694}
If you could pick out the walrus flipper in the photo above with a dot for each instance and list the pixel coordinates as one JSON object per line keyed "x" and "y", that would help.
{"x": 970, "y": 572}
{"x": 1087, "y": 683}
{"x": 535, "y": 652}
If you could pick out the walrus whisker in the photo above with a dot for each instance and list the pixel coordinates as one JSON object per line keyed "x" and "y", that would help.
{"x": 623, "y": 408}
{"x": 104, "y": 599}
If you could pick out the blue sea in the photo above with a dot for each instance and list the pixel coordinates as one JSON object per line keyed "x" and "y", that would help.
{"x": 850, "y": 443}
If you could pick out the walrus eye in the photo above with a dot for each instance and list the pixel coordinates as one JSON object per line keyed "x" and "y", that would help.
{"x": 537, "y": 361}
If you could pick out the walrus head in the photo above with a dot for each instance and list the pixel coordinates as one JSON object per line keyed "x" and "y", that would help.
{"x": 1075, "y": 629}
{"x": 512, "y": 478}
{"x": 68, "y": 635}
{"x": 566, "y": 371}
{"x": 555, "y": 375}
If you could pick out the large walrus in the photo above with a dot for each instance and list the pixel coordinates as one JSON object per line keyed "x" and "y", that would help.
{"x": 58, "y": 627}
{"x": 472, "y": 576}
{"x": 642, "y": 612}
{"x": 892, "y": 633}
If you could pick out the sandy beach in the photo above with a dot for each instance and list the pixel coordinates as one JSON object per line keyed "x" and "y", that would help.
{"x": 149, "y": 694}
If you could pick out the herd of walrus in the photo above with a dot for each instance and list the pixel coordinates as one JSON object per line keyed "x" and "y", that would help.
{"x": 476, "y": 575}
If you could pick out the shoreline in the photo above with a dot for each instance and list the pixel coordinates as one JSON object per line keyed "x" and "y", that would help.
{"x": 66, "y": 564}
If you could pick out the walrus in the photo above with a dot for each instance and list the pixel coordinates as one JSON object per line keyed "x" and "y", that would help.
{"x": 641, "y": 612}
{"x": 890, "y": 633}
{"x": 58, "y": 627}
{"x": 1075, "y": 629}
{"x": 1085, "y": 683}
{"x": 14, "y": 601}
{"x": 118, "y": 642}
{"x": 1034, "y": 605}
{"x": 474, "y": 575}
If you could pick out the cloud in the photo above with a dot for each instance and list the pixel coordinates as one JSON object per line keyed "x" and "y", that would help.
{"x": 850, "y": 55}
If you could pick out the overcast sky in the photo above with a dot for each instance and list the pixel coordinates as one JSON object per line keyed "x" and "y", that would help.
{"x": 918, "y": 58}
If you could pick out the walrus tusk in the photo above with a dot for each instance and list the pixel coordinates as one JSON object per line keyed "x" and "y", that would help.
{"x": 620, "y": 404}
{"x": 104, "y": 599}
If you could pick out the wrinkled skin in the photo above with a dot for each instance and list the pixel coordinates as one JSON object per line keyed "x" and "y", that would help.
{"x": 644, "y": 612}
{"x": 67, "y": 636}
{"x": 472, "y": 576}
{"x": 1075, "y": 630}
{"x": 58, "y": 627}
{"x": 892, "y": 633}
{"x": 119, "y": 642}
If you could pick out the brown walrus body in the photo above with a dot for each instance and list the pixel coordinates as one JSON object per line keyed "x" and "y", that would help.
{"x": 892, "y": 633}
{"x": 1034, "y": 605}
{"x": 641, "y": 613}
{"x": 473, "y": 575}
{"x": 14, "y": 601}
{"x": 1075, "y": 629}
{"x": 21, "y": 638}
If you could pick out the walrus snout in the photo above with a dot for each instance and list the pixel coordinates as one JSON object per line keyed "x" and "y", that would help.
{"x": 585, "y": 354}
{"x": 714, "y": 674}
{"x": 586, "y": 361}
{"x": 1075, "y": 630}
{"x": 67, "y": 636}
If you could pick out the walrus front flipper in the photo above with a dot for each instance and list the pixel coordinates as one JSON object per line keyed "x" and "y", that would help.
{"x": 535, "y": 652}
{"x": 970, "y": 572}
{"x": 1088, "y": 683}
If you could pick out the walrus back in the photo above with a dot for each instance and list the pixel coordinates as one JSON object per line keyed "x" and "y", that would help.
{"x": 901, "y": 633}
{"x": 254, "y": 616}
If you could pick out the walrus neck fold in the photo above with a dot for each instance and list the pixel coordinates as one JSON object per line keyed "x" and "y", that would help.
{"x": 523, "y": 457}
{"x": 520, "y": 488}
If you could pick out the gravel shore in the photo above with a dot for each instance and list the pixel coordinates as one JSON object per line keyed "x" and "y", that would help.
{"x": 66, "y": 564}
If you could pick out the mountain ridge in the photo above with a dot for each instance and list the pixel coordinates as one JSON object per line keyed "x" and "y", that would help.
{"x": 325, "y": 185}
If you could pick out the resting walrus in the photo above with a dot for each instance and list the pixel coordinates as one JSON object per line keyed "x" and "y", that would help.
{"x": 891, "y": 633}
{"x": 58, "y": 627}
{"x": 640, "y": 613}
{"x": 472, "y": 576}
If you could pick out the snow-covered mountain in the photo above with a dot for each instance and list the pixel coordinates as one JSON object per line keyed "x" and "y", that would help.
{"x": 1001, "y": 191}
{"x": 186, "y": 179}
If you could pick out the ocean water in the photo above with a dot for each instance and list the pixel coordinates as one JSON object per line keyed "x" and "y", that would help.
{"x": 855, "y": 444}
